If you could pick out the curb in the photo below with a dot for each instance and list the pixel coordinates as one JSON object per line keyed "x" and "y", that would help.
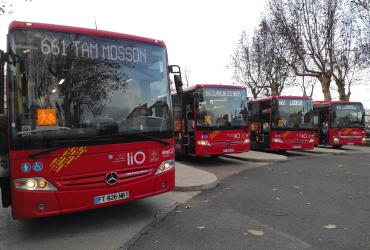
{"x": 201, "y": 187}
{"x": 193, "y": 179}
{"x": 256, "y": 159}
{"x": 330, "y": 152}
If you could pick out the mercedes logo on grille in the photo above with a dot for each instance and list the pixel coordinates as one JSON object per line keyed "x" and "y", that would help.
{"x": 111, "y": 178}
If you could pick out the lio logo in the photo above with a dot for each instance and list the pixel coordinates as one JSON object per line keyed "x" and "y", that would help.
{"x": 135, "y": 158}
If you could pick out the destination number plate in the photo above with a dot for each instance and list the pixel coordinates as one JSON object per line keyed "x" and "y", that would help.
{"x": 111, "y": 197}
{"x": 228, "y": 150}
{"x": 297, "y": 146}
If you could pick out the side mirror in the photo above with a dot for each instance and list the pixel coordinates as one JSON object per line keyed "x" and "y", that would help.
{"x": 178, "y": 84}
{"x": 175, "y": 69}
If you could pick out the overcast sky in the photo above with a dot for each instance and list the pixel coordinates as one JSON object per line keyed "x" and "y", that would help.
{"x": 200, "y": 35}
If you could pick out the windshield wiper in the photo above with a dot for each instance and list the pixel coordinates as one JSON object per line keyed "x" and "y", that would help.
{"x": 151, "y": 138}
{"x": 137, "y": 134}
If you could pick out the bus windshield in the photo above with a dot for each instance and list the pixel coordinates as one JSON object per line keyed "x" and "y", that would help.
{"x": 75, "y": 86}
{"x": 222, "y": 108}
{"x": 292, "y": 113}
{"x": 347, "y": 115}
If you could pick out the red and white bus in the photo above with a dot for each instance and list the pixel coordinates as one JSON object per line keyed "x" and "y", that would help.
{"x": 340, "y": 123}
{"x": 88, "y": 120}
{"x": 211, "y": 120}
{"x": 281, "y": 123}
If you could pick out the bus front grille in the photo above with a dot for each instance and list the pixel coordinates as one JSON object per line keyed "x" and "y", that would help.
{"x": 98, "y": 180}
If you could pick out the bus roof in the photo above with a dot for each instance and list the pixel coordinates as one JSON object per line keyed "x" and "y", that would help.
{"x": 199, "y": 86}
{"x": 280, "y": 97}
{"x": 53, "y": 27}
{"x": 329, "y": 103}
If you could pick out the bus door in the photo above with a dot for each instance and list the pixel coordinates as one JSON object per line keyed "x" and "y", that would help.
{"x": 4, "y": 166}
{"x": 189, "y": 114}
{"x": 266, "y": 127}
{"x": 255, "y": 125}
{"x": 324, "y": 125}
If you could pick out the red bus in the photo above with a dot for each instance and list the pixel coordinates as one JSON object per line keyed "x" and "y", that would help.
{"x": 281, "y": 123}
{"x": 88, "y": 120}
{"x": 211, "y": 120}
{"x": 340, "y": 123}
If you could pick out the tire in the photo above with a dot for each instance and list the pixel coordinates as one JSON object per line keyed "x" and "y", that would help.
{"x": 337, "y": 146}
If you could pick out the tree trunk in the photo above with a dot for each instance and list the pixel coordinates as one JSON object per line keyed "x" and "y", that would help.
{"x": 274, "y": 88}
{"x": 325, "y": 86}
{"x": 254, "y": 93}
{"x": 342, "y": 90}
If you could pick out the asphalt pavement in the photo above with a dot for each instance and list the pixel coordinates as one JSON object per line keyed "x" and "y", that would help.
{"x": 306, "y": 203}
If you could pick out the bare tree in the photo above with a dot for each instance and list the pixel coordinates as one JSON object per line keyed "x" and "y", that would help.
{"x": 248, "y": 66}
{"x": 6, "y": 7}
{"x": 322, "y": 39}
{"x": 307, "y": 37}
{"x": 258, "y": 64}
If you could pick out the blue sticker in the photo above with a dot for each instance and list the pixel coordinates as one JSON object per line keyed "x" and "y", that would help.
{"x": 25, "y": 168}
{"x": 37, "y": 166}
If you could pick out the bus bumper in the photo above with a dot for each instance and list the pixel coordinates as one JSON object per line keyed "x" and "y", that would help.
{"x": 34, "y": 204}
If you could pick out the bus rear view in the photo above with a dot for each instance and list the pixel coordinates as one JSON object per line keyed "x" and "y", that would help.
{"x": 89, "y": 120}
{"x": 282, "y": 123}
{"x": 211, "y": 120}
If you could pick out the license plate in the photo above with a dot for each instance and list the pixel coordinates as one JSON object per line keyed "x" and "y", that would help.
{"x": 297, "y": 146}
{"x": 111, "y": 197}
{"x": 350, "y": 143}
{"x": 228, "y": 150}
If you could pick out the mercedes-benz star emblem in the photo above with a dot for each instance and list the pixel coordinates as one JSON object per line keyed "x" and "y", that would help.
{"x": 111, "y": 178}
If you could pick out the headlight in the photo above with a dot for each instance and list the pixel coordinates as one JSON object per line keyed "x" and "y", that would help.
{"x": 33, "y": 184}
{"x": 278, "y": 140}
{"x": 312, "y": 140}
{"x": 165, "y": 166}
{"x": 203, "y": 143}
{"x": 246, "y": 141}
{"x": 363, "y": 140}
{"x": 336, "y": 140}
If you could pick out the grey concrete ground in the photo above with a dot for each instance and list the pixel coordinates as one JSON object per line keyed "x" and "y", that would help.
{"x": 106, "y": 228}
{"x": 306, "y": 203}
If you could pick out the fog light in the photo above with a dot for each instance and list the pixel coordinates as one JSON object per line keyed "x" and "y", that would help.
{"x": 336, "y": 140}
{"x": 246, "y": 141}
{"x": 363, "y": 140}
{"x": 164, "y": 184}
{"x": 42, "y": 206}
